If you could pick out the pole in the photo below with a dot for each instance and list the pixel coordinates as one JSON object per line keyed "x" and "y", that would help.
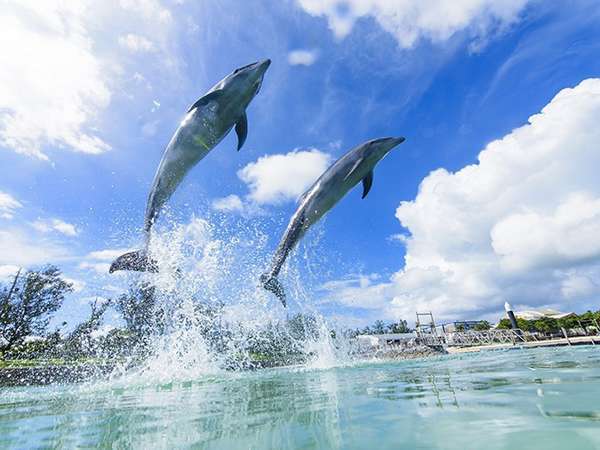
{"x": 566, "y": 336}
{"x": 513, "y": 320}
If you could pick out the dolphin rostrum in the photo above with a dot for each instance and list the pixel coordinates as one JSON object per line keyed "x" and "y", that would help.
{"x": 206, "y": 123}
{"x": 332, "y": 185}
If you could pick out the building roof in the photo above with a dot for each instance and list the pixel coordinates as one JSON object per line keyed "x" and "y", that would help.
{"x": 540, "y": 313}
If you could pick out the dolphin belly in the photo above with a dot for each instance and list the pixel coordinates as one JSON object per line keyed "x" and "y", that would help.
{"x": 191, "y": 143}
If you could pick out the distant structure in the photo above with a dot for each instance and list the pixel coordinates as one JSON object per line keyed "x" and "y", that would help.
{"x": 542, "y": 313}
{"x": 385, "y": 340}
{"x": 461, "y": 325}
{"x": 511, "y": 316}
{"x": 427, "y": 326}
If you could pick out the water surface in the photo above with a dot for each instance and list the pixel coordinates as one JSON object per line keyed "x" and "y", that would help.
{"x": 520, "y": 399}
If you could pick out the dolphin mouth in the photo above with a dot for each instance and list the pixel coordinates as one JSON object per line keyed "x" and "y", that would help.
{"x": 264, "y": 64}
{"x": 261, "y": 67}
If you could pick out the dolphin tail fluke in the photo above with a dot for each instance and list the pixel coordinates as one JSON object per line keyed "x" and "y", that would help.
{"x": 137, "y": 261}
{"x": 272, "y": 284}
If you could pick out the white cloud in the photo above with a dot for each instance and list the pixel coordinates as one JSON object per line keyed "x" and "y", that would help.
{"x": 78, "y": 285}
{"x": 109, "y": 254}
{"x": 277, "y": 178}
{"x": 58, "y": 225}
{"x": 8, "y": 272}
{"x": 231, "y": 203}
{"x": 99, "y": 261}
{"x": 98, "y": 267}
{"x": 411, "y": 20}
{"x": 151, "y": 10}
{"x": 520, "y": 225}
{"x": 22, "y": 249}
{"x": 357, "y": 291}
{"x": 8, "y": 205}
{"x": 136, "y": 43}
{"x": 302, "y": 57}
{"x": 50, "y": 93}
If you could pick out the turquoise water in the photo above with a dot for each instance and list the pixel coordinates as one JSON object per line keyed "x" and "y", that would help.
{"x": 520, "y": 399}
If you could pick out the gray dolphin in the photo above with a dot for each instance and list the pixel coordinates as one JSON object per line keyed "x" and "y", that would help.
{"x": 206, "y": 123}
{"x": 332, "y": 185}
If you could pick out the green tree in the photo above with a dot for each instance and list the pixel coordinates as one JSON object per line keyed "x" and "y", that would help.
{"x": 378, "y": 327}
{"x": 504, "y": 324}
{"x": 398, "y": 327}
{"x": 28, "y": 304}
{"x": 303, "y": 327}
{"x": 80, "y": 341}
{"x": 483, "y": 325}
{"x": 139, "y": 311}
{"x": 546, "y": 325}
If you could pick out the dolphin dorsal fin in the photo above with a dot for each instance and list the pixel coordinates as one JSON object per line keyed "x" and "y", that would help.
{"x": 354, "y": 167}
{"x": 214, "y": 95}
{"x": 367, "y": 183}
{"x": 241, "y": 129}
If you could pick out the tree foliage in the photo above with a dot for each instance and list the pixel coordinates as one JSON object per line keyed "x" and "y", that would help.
{"x": 139, "y": 311}
{"x": 81, "y": 341}
{"x": 549, "y": 325}
{"x": 28, "y": 303}
{"x": 483, "y": 325}
{"x": 381, "y": 327}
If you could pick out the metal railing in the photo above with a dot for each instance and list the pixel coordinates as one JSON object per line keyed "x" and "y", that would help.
{"x": 487, "y": 337}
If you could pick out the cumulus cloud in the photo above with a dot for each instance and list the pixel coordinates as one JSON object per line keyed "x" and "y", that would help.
{"x": 231, "y": 203}
{"x": 21, "y": 249}
{"x": 99, "y": 261}
{"x": 274, "y": 179}
{"x": 357, "y": 291}
{"x": 135, "y": 43}
{"x": 98, "y": 267}
{"x": 8, "y": 272}
{"x": 151, "y": 10}
{"x": 302, "y": 57}
{"x": 411, "y": 20}
{"x": 78, "y": 285}
{"x": 520, "y": 225}
{"x": 50, "y": 93}
{"x": 58, "y": 225}
{"x": 108, "y": 254}
{"x": 8, "y": 205}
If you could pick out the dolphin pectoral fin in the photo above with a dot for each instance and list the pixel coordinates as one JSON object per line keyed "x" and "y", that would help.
{"x": 211, "y": 96}
{"x": 137, "y": 261}
{"x": 272, "y": 284}
{"x": 367, "y": 183}
{"x": 354, "y": 167}
{"x": 241, "y": 129}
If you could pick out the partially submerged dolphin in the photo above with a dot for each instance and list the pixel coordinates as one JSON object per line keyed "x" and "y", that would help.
{"x": 206, "y": 123}
{"x": 332, "y": 185}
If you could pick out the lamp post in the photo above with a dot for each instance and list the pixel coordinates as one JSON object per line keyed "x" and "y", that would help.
{"x": 512, "y": 318}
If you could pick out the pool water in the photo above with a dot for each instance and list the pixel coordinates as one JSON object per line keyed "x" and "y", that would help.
{"x": 517, "y": 399}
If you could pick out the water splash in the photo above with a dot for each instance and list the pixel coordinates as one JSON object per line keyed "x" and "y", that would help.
{"x": 217, "y": 317}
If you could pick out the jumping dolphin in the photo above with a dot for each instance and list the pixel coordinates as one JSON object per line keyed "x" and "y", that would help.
{"x": 206, "y": 123}
{"x": 332, "y": 185}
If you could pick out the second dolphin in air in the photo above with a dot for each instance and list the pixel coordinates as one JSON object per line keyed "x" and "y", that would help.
{"x": 355, "y": 166}
{"x": 206, "y": 123}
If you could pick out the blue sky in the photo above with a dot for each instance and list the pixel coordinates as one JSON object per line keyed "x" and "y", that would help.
{"x": 92, "y": 93}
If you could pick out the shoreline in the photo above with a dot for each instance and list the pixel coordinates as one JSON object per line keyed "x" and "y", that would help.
{"x": 561, "y": 342}
{"x": 43, "y": 375}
